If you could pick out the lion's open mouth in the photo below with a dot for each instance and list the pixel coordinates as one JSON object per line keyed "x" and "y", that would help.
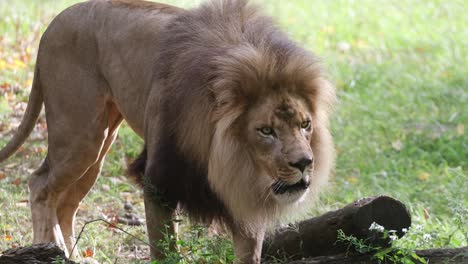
{"x": 281, "y": 187}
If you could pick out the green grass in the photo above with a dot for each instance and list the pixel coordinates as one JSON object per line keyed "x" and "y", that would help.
{"x": 402, "y": 80}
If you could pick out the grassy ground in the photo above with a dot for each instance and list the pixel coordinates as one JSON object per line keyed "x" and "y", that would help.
{"x": 400, "y": 69}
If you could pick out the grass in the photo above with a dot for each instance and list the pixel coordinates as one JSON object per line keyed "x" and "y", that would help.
{"x": 399, "y": 126}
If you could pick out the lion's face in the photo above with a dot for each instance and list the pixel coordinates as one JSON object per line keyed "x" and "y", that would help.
{"x": 279, "y": 128}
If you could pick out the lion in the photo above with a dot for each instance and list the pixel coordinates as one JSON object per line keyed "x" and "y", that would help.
{"x": 234, "y": 116}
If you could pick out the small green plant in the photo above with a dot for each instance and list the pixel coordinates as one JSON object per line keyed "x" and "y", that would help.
{"x": 195, "y": 246}
{"x": 392, "y": 254}
{"x": 357, "y": 244}
{"x": 58, "y": 260}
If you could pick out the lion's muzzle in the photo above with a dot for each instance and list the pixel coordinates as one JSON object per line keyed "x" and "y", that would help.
{"x": 282, "y": 187}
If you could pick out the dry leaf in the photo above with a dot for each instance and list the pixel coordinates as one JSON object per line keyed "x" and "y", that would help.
{"x": 2, "y": 176}
{"x": 18, "y": 64}
{"x": 16, "y": 182}
{"x": 27, "y": 83}
{"x": 7, "y": 237}
{"x": 40, "y": 150}
{"x": 88, "y": 253}
{"x": 426, "y": 213}
{"x": 112, "y": 225}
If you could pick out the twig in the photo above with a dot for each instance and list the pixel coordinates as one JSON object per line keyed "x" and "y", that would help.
{"x": 110, "y": 224}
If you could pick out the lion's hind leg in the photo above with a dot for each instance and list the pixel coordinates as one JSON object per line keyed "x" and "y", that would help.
{"x": 70, "y": 199}
{"x": 81, "y": 125}
{"x": 69, "y": 171}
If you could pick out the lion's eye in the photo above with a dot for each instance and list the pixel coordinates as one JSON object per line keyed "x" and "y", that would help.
{"x": 266, "y": 131}
{"x": 305, "y": 125}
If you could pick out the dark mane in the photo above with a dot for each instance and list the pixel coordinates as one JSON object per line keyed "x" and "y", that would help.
{"x": 221, "y": 56}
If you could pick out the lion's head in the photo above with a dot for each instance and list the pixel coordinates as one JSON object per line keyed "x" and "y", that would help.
{"x": 271, "y": 147}
{"x": 277, "y": 133}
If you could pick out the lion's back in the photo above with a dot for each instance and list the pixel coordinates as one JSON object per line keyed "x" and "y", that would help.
{"x": 107, "y": 19}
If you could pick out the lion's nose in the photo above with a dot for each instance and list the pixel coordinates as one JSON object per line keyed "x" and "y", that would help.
{"x": 301, "y": 164}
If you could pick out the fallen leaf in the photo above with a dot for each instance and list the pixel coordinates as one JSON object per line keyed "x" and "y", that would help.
{"x": 16, "y": 182}
{"x": 25, "y": 58}
{"x": 40, "y": 150}
{"x": 27, "y": 83}
{"x": 185, "y": 250}
{"x": 7, "y": 237}
{"x": 426, "y": 213}
{"x": 88, "y": 253}
{"x": 112, "y": 225}
{"x": 42, "y": 126}
{"x": 18, "y": 64}
{"x": 10, "y": 97}
{"x": 2, "y": 176}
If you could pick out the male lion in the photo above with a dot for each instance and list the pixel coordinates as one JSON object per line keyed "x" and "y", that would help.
{"x": 233, "y": 113}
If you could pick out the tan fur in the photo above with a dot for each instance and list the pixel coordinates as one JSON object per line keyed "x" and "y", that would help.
{"x": 205, "y": 79}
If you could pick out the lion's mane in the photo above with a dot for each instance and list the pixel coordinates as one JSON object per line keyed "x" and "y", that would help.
{"x": 214, "y": 62}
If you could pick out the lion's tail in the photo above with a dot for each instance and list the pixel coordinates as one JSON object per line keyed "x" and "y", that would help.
{"x": 29, "y": 119}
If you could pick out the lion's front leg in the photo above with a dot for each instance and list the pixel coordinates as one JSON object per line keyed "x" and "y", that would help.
{"x": 248, "y": 245}
{"x": 159, "y": 223}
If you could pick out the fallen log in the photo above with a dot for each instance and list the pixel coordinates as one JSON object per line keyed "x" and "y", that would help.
{"x": 432, "y": 256}
{"x": 317, "y": 236}
{"x": 48, "y": 253}
{"x": 36, "y": 254}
